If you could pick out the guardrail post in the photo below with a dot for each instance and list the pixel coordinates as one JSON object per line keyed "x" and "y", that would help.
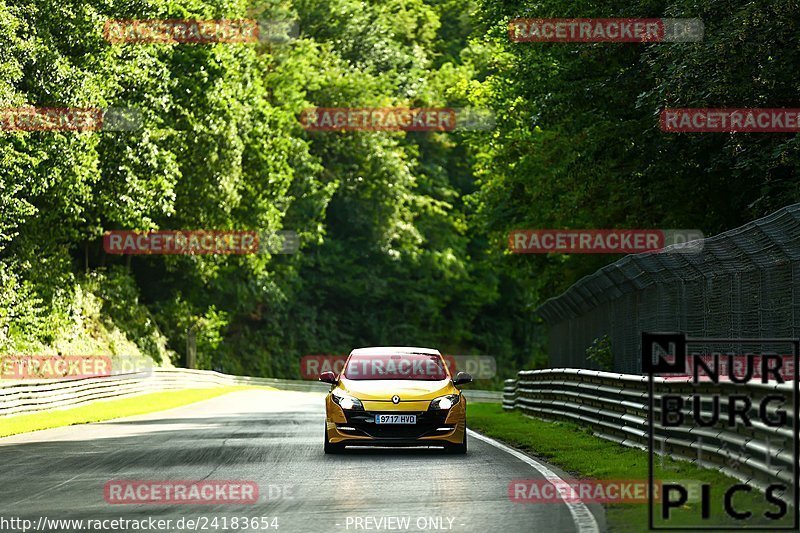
{"x": 510, "y": 394}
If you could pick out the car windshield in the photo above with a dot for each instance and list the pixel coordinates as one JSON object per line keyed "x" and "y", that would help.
{"x": 424, "y": 367}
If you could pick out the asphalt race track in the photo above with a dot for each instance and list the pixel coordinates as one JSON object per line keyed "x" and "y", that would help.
{"x": 272, "y": 438}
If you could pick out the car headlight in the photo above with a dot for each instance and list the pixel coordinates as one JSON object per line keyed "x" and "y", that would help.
{"x": 345, "y": 401}
{"x": 445, "y": 402}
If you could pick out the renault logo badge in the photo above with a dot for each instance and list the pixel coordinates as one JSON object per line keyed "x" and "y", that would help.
{"x": 395, "y": 399}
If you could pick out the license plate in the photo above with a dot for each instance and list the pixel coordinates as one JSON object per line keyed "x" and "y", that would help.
{"x": 395, "y": 419}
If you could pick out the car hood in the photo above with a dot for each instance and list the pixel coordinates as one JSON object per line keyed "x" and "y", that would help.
{"x": 406, "y": 389}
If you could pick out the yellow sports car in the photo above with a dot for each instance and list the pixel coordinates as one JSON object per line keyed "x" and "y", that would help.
{"x": 395, "y": 396}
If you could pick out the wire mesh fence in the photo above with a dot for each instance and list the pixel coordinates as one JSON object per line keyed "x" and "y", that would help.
{"x": 742, "y": 283}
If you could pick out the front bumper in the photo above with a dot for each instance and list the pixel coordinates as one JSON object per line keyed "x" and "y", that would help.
{"x": 358, "y": 428}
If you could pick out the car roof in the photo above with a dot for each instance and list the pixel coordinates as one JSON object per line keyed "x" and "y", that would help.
{"x": 393, "y": 350}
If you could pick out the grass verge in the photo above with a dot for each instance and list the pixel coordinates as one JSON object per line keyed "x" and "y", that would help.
{"x": 109, "y": 409}
{"x": 575, "y": 450}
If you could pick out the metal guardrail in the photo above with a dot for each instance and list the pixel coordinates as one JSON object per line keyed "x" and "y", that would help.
{"x": 30, "y": 396}
{"x": 615, "y": 407}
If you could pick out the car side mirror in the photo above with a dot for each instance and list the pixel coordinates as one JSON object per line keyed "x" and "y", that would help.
{"x": 328, "y": 377}
{"x": 462, "y": 378}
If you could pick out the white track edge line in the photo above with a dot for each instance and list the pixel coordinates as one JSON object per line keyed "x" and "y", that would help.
{"x": 581, "y": 515}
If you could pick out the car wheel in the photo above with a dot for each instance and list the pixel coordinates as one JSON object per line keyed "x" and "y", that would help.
{"x": 332, "y": 448}
{"x": 458, "y": 448}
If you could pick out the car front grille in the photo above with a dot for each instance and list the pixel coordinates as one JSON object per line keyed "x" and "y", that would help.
{"x": 427, "y": 424}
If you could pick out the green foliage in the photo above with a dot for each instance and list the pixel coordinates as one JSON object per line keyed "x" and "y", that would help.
{"x": 403, "y": 235}
{"x": 578, "y": 143}
{"x": 121, "y": 309}
{"x": 600, "y": 353}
